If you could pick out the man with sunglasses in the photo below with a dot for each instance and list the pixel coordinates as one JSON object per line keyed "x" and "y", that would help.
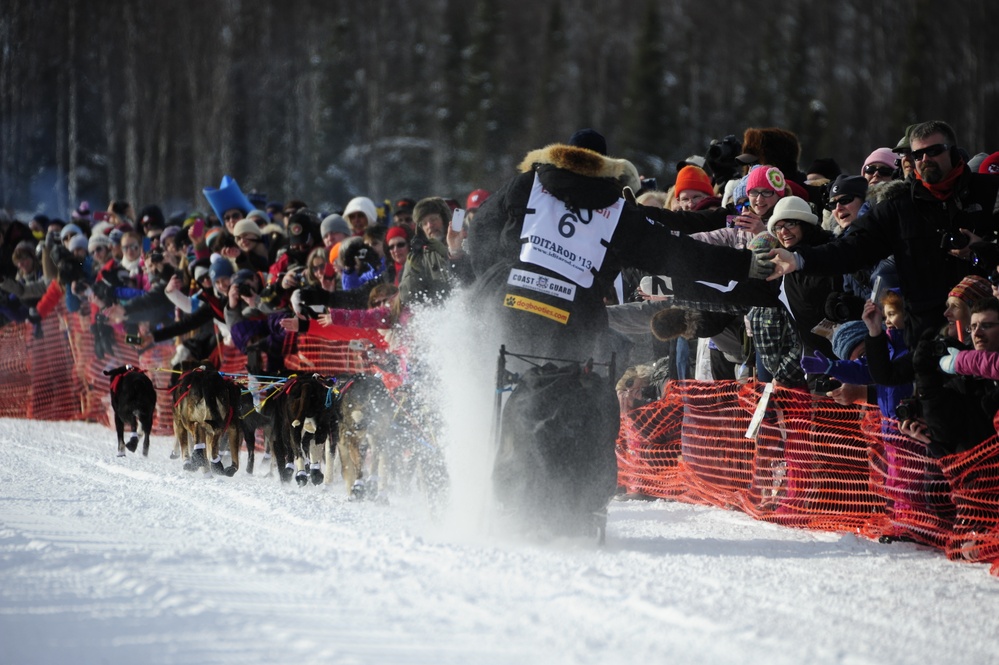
{"x": 927, "y": 228}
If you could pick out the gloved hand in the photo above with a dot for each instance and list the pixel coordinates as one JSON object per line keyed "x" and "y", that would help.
{"x": 816, "y": 364}
{"x": 948, "y": 362}
{"x": 761, "y": 266}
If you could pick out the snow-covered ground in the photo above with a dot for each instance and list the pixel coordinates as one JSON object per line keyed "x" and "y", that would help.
{"x": 133, "y": 560}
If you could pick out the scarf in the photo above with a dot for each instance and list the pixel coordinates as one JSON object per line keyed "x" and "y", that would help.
{"x": 945, "y": 188}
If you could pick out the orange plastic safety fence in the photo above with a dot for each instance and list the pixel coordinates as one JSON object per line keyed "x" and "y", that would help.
{"x": 308, "y": 353}
{"x": 812, "y": 463}
{"x": 56, "y": 374}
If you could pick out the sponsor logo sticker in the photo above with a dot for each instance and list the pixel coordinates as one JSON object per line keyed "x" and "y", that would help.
{"x": 542, "y": 284}
{"x": 535, "y": 307}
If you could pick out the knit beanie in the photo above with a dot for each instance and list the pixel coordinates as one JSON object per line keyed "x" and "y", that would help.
{"x": 221, "y": 267}
{"x": 853, "y": 185}
{"x": 396, "y": 232}
{"x": 246, "y": 227}
{"x": 847, "y": 337}
{"x": 971, "y": 289}
{"x": 99, "y": 240}
{"x": 590, "y": 139}
{"x": 334, "y": 224}
{"x": 768, "y": 177}
{"x": 880, "y": 156}
{"x": 69, "y": 229}
{"x": 79, "y": 241}
{"x": 792, "y": 207}
{"x": 169, "y": 232}
{"x": 739, "y": 191}
{"x": 693, "y": 178}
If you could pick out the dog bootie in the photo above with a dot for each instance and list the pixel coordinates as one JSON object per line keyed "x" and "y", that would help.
{"x": 316, "y": 476}
{"x": 198, "y": 460}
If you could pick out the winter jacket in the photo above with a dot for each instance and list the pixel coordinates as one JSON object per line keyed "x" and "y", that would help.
{"x": 983, "y": 364}
{"x": 858, "y": 372}
{"x": 911, "y": 227}
{"x": 560, "y": 311}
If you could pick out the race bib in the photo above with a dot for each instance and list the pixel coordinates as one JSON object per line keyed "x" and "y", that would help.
{"x": 571, "y": 243}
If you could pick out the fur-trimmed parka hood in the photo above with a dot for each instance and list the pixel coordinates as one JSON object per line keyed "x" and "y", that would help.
{"x": 585, "y": 163}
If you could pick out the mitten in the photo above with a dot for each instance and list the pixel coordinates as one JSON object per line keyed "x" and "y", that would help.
{"x": 949, "y": 361}
{"x": 816, "y": 364}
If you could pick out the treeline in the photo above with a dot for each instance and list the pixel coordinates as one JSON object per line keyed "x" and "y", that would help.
{"x": 326, "y": 99}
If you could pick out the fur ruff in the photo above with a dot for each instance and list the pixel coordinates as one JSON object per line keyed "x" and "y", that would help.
{"x": 585, "y": 163}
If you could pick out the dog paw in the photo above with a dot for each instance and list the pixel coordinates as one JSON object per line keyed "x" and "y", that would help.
{"x": 302, "y": 478}
{"x": 132, "y": 444}
{"x": 316, "y": 476}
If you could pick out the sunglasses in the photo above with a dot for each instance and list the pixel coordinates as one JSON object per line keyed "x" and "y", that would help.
{"x": 762, "y": 193}
{"x": 929, "y": 151}
{"x": 231, "y": 216}
{"x": 844, "y": 200}
{"x": 884, "y": 171}
{"x": 130, "y": 248}
{"x": 397, "y": 245}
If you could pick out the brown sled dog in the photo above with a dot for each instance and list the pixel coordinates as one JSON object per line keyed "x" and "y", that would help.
{"x": 204, "y": 412}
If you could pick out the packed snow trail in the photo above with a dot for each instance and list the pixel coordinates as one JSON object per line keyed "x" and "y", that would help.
{"x": 125, "y": 560}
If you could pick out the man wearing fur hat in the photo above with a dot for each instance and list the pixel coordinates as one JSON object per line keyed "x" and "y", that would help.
{"x": 435, "y": 262}
{"x": 927, "y": 227}
{"x": 547, "y": 246}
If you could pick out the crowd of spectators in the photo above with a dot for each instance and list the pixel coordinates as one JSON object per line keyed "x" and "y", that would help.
{"x": 883, "y": 290}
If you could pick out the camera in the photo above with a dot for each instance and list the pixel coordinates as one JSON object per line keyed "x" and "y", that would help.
{"x": 824, "y": 383}
{"x": 724, "y": 150}
{"x": 720, "y": 158}
{"x": 245, "y": 289}
{"x": 842, "y": 307}
{"x": 134, "y": 340}
{"x": 68, "y": 267}
{"x": 156, "y": 256}
{"x": 908, "y": 409}
{"x": 951, "y": 240}
{"x": 649, "y": 184}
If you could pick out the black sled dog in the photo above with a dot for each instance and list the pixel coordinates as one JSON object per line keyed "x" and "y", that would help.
{"x": 133, "y": 399}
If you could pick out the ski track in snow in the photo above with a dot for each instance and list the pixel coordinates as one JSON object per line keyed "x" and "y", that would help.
{"x": 126, "y": 560}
